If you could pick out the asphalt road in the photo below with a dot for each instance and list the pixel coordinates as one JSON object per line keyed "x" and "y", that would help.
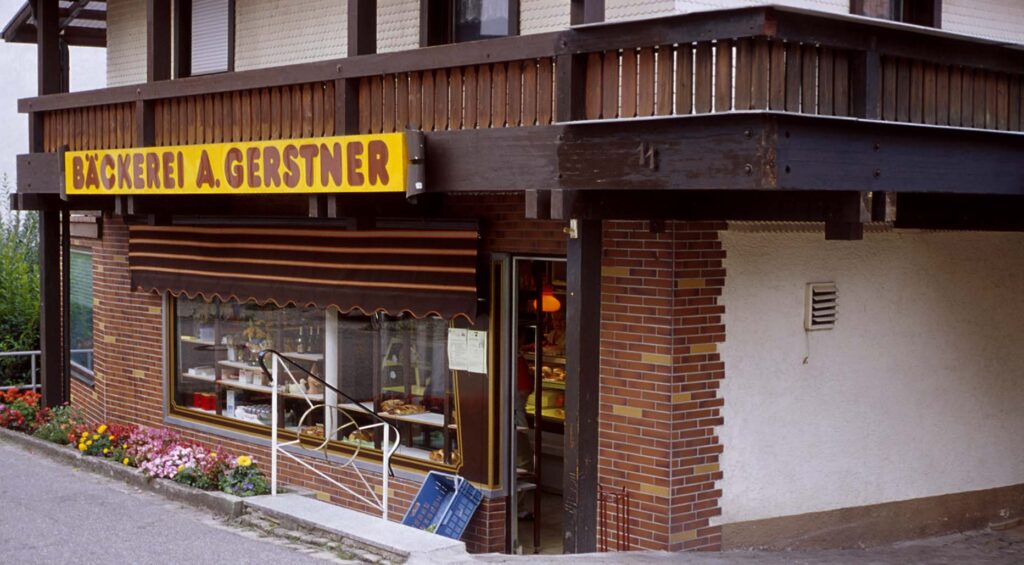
{"x": 51, "y": 513}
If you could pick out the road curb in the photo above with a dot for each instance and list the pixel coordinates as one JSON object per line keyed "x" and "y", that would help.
{"x": 218, "y": 502}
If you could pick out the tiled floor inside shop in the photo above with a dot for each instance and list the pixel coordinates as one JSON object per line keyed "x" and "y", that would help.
{"x": 550, "y": 525}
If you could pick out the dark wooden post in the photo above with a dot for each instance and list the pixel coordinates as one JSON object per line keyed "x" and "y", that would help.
{"x": 158, "y": 40}
{"x": 583, "y": 366}
{"x": 583, "y": 325}
{"x": 52, "y": 325}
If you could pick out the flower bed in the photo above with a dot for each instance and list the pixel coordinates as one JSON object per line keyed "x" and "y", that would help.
{"x": 158, "y": 453}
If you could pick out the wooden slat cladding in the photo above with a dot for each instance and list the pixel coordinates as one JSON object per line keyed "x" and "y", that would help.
{"x": 495, "y": 95}
{"x": 717, "y": 76}
{"x": 926, "y": 93}
{"x": 264, "y": 114}
{"x": 110, "y": 126}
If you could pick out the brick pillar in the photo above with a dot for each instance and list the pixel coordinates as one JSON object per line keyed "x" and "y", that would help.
{"x": 660, "y": 366}
{"x": 127, "y": 335}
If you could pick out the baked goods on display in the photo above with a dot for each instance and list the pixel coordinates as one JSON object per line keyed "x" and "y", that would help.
{"x": 316, "y": 430}
{"x": 437, "y": 456}
{"x": 360, "y": 435}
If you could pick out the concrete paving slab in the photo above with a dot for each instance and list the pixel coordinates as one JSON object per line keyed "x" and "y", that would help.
{"x": 416, "y": 546}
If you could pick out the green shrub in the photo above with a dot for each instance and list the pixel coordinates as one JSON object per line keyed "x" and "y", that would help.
{"x": 19, "y": 288}
{"x": 60, "y": 423}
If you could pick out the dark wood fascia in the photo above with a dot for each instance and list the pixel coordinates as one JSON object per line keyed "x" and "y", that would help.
{"x": 730, "y": 151}
{"x": 816, "y": 153}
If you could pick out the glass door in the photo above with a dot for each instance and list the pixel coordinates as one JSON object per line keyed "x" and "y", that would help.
{"x": 537, "y": 387}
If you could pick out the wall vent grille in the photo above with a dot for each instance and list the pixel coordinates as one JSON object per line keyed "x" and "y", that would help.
{"x": 821, "y": 308}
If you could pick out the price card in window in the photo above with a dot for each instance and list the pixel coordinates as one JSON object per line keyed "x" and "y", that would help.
{"x": 467, "y": 350}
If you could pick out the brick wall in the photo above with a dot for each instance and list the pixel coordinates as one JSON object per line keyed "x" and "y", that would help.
{"x": 660, "y": 367}
{"x": 661, "y": 323}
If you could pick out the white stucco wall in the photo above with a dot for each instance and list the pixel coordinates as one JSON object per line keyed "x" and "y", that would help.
{"x": 398, "y": 25}
{"x": 270, "y": 33}
{"x": 916, "y": 392}
{"x": 126, "y": 42}
{"x": 997, "y": 19}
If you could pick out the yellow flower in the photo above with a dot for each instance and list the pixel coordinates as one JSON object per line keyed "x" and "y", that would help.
{"x": 82, "y": 447}
{"x": 105, "y": 451}
{"x": 88, "y": 442}
{"x": 125, "y": 446}
{"x": 85, "y": 434}
{"x": 213, "y": 454}
{"x": 95, "y": 436}
{"x": 101, "y": 429}
{"x": 181, "y": 468}
{"x": 244, "y": 460}
{"x": 112, "y": 438}
{"x": 125, "y": 461}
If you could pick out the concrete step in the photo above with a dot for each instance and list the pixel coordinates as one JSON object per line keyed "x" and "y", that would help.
{"x": 392, "y": 541}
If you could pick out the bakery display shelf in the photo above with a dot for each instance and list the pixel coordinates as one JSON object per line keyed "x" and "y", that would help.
{"x": 556, "y": 414}
{"x": 414, "y": 390}
{"x": 352, "y": 407}
{"x": 414, "y": 453}
{"x": 268, "y": 390}
{"x": 553, "y": 384}
{"x": 423, "y": 418}
{"x": 196, "y": 340}
{"x": 199, "y": 377}
{"x": 203, "y": 410}
{"x": 295, "y": 355}
{"x": 239, "y": 365}
{"x": 553, "y": 359}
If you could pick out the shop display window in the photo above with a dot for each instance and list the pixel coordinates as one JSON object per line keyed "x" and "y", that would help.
{"x": 396, "y": 366}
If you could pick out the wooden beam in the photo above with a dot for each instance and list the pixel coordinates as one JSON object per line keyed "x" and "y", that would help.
{"x": 48, "y": 53}
{"x": 583, "y": 368}
{"x": 158, "y": 40}
{"x": 538, "y": 204}
{"x": 844, "y": 155}
{"x": 362, "y": 27}
{"x": 77, "y": 10}
{"x": 50, "y": 339}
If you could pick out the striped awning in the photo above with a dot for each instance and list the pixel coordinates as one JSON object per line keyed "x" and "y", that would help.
{"x": 419, "y": 272}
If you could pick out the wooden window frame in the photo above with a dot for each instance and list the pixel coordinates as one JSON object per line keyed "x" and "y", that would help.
{"x": 183, "y": 38}
{"x": 437, "y": 21}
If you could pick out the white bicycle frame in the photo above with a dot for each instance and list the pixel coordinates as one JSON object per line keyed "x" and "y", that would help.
{"x": 389, "y": 445}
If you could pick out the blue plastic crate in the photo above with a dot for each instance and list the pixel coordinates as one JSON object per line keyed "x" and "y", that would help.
{"x": 444, "y": 505}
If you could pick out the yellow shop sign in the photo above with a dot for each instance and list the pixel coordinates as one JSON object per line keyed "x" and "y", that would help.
{"x": 353, "y": 163}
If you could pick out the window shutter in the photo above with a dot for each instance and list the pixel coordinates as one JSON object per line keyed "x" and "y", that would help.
{"x": 210, "y": 36}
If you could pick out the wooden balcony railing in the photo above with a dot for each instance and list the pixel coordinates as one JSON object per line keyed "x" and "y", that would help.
{"x": 750, "y": 59}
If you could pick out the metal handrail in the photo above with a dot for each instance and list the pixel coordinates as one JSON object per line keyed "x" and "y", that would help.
{"x": 278, "y": 447}
{"x": 34, "y": 363}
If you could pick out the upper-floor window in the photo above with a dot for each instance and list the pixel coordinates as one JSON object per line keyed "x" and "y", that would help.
{"x": 455, "y": 21}
{"x": 917, "y": 12}
{"x": 205, "y": 36}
